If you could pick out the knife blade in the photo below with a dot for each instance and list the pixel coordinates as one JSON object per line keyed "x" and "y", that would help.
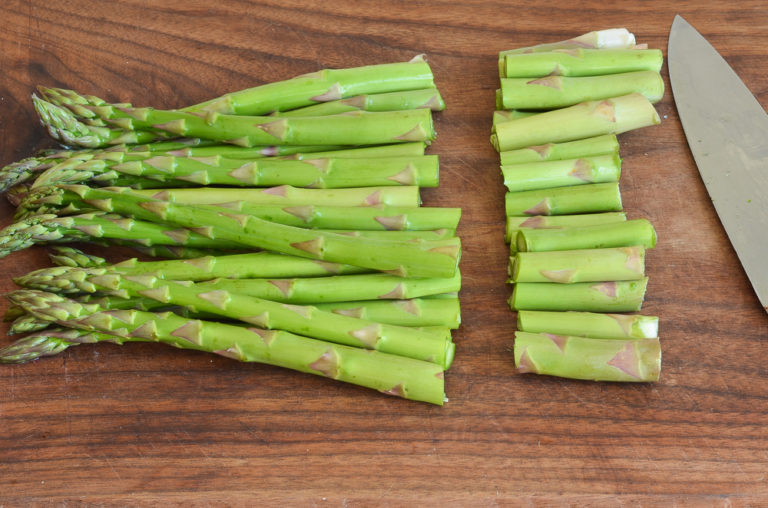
{"x": 727, "y": 132}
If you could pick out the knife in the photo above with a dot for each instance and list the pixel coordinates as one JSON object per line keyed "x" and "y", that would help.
{"x": 727, "y": 132}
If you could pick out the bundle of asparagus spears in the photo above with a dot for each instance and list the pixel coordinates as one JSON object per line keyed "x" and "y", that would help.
{"x": 293, "y": 209}
{"x": 576, "y": 262}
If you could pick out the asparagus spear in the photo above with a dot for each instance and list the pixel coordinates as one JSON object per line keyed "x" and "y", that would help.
{"x": 376, "y": 217}
{"x": 593, "y": 118}
{"x": 62, "y": 255}
{"x": 617, "y": 234}
{"x": 614, "y": 296}
{"x": 503, "y": 115}
{"x": 585, "y": 265}
{"x": 612, "y": 38}
{"x": 552, "y": 91}
{"x": 304, "y": 320}
{"x": 407, "y": 259}
{"x": 595, "y": 197}
{"x": 581, "y": 62}
{"x": 637, "y": 360}
{"x": 549, "y": 222}
{"x": 317, "y": 173}
{"x": 428, "y": 98}
{"x": 391, "y": 374}
{"x": 548, "y": 174}
{"x": 588, "y": 147}
{"x": 589, "y": 324}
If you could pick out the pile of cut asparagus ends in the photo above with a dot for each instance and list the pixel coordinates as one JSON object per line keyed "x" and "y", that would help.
{"x": 577, "y": 264}
{"x": 287, "y": 215}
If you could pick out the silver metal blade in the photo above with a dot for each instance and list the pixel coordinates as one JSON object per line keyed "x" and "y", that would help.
{"x": 727, "y": 131}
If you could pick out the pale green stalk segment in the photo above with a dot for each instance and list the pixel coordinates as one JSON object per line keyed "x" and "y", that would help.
{"x": 613, "y": 296}
{"x": 556, "y": 222}
{"x": 616, "y": 234}
{"x": 588, "y": 147}
{"x": 561, "y": 173}
{"x": 612, "y": 38}
{"x": 589, "y": 324}
{"x": 391, "y": 374}
{"x": 634, "y": 360}
{"x": 581, "y": 62}
{"x": 594, "y": 197}
{"x": 551, "y": 92}
{"x": 573, "y": 266}
{"x": 504, "y": 115}
{"x": 588, "y": 119}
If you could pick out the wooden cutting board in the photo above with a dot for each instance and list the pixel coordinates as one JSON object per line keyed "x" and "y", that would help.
{"x": 148, "y": 425}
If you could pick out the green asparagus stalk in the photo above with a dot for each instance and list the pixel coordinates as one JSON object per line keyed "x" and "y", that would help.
{"x": 612, "y": 38}
{"x": 503, "y": 115}
{"x": 617, "y": 234}
{"x": 636, "y": 360}
{"x": 561, "y": 173}
{"x": 377, "y": 217}
{"x": 304, "y": 320}
{"x": 406, "y": 259}
{"x": 287, "y": 195}
{"x": 414, "y": 312}
{"x": 173, "y": 252}
{"x": 420, "y": 171}
{"x": 606, "y": 144}
{"x": 405, "y": 377}
{"x": 614, "y": 296}
{"x": 63, "y": 255}
{"x": 549, "y": 222}
{"x": 550, "y": 92}
{"x": 300, "y": 290}
{"x": 589, "y": 324}
{"x": 428, "y": 98}
{"x": 50, "y": 228}
{"x": 572, "y": 266}
{"x": 322, "y": 86}
{"x": 595, "y": 197}
{"x": 581, "y": 62}
{"x": 588, "y": 119}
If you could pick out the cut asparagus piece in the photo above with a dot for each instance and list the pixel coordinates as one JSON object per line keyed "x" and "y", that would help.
{"x": 588, "y": 147}
{"x": 595, "y": 197}
{"x": 550, "y": 92}
{"x": 407, "y": 259}
{"x": 612, "y": 38}
{"x": 573, "y": 266}
{"x": 428, "y": 98}
{"x": 391, "y": 374}
{"x": 589, "y": 324}
{"x": 637, "y": 360}
{"x": 415, "y": 312}
{"x": 588, "y": 119}
{"x": 618, "y": 234}
{"x": 581, "y": 62}
{"x": 420, "y": 171}
{"x": 286, "y": 195}
{"x": 549, "y": 222}
{"x": 614, "y": 296}
{"x": 561, "y": 173}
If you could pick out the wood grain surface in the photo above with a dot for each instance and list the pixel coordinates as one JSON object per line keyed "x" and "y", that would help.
{"x": 150, "y": 425}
